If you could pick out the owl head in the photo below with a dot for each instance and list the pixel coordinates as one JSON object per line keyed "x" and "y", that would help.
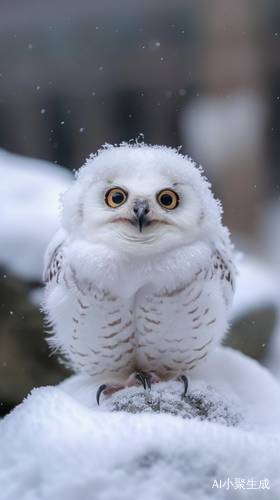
{"x": 140, "y": 199}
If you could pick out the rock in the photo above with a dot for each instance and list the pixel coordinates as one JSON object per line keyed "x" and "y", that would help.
{"x": 204, "y": 403}
{"x": 25, "y": 360}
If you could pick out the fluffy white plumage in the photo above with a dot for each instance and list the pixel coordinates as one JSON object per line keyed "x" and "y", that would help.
{"x": 140, "y": 278}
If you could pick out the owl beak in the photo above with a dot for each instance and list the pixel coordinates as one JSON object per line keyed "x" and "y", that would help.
{"x": 141, "y": 208}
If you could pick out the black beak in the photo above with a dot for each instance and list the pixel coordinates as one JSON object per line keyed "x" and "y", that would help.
{"x": 141, "y": 209}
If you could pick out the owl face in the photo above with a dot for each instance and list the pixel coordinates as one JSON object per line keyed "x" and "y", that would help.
{"x": 141, "y": 214}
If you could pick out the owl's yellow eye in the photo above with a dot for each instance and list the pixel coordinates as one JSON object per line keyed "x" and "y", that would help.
{"x": 168, "y": 199}
{"x": 115, "y": 197}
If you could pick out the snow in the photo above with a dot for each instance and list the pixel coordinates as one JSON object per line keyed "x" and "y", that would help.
{"x": 29, "y": 211}
{"x": 256, "y": 286}
{"x": 270, "y": 237}
{"x": 59, "y": 445}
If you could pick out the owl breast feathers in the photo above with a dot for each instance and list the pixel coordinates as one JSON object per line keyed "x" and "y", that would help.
{"x": 140, "y": 278}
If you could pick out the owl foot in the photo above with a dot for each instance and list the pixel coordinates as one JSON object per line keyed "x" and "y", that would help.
{"x": 134, "y": 380}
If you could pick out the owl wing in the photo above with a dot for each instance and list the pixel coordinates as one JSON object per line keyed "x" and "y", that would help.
{"x": 222, "y": 262}
{"x": 53, "y": 255}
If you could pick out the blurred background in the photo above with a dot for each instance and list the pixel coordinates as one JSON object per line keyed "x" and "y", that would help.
{"x": 75, "y": 74}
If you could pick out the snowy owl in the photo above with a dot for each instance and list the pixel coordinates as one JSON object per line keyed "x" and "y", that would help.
{"x": 140, "y": 277}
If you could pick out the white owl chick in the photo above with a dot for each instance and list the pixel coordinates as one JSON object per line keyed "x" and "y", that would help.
{"x": 140, "y": 278}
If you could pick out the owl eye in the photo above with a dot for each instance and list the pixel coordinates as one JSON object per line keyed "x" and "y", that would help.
{"x": 115, "y": 197}
{"x": 168, "y": 199}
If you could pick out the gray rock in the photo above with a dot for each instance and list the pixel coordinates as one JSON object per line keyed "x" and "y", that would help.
{"x": 25, "y": 360}
{"x": 204, "y": 403}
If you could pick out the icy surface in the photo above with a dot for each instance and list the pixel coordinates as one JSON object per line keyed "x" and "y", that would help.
{"x": 29, "y": 211}
{"x": 59, "y": 445}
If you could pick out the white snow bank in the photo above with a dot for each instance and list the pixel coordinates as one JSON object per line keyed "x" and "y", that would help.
{"x": 59, "y": 445}
{"x": 257, "y": 285}
{"x": 29, "y": 211}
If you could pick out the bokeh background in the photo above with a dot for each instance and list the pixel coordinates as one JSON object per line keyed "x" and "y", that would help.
{"x": 74, "y": 74}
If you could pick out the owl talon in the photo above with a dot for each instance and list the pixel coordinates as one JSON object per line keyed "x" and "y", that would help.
{"x": 149, "y": 380}
{"x": 184, "y": 379}
{"x": 141, "y": 379}
{"x": 99, "y": 392}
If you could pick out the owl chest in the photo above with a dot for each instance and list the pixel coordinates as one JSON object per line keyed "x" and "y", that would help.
{"x": 177, "y": 330}
{"x": 152, "y": 329}
{"x": 181, "y": 316}
{"x": 187, "y": 310}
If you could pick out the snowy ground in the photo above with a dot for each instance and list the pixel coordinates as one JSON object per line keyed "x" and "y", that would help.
{"x": 29, "y": 211}
{"x": 257, "y": 288}
{"x": 59, "y": 445}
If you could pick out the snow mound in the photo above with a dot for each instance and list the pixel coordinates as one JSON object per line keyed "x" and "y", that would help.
{"x": 29, "y": 211}
{"x": 58, "y": 444}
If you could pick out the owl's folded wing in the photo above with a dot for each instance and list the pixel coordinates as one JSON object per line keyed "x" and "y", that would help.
{"x": 223, "y": 262}
{"x": 53, "y": 255}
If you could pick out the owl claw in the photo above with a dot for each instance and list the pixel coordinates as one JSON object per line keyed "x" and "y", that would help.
{"x": 148, "y": 381}
{"x": 141, "y": 379}
{"x": 99, "y": 392}
{"x": 184, "y": 379}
